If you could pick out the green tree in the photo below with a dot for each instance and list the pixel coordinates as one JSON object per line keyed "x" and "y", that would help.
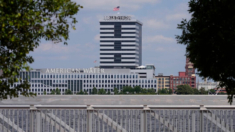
{"x": 209, "y": 39}
{"x": 151, "y": 91}
{"x": 163, "y": 91}
{"x": 57, "y": 91}
{"x": 23, "y": 24}
{"x": 144, "y": 91}
{"x": 184, "y": 89}
{"x": 102, "y": 91}
{"x": 44, "y": 92}
{"x": 94, "y": 90}
{"x": 80, "y": 92}
{"x": 203, "y": 91}
{"x": 212, "y": 91}
{"x": 137, "y": 89}
{"x": 53, "y": 92}
{"x": 127, "y": 89}
{"x": 108, "y": 92}
{"x": 115, "y": 91}
{"x": 85, "y": 92}
{"x": 195, "y": 91}
{"x": 68, "y": 92}
{"x": 170, "y": 91}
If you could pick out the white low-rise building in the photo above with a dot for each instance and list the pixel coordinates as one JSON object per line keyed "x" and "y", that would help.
{"x": 86, "y": 79}
{"x": 207, "y": 85}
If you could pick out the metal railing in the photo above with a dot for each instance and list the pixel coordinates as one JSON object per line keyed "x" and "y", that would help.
{"x": 119, "y": 118}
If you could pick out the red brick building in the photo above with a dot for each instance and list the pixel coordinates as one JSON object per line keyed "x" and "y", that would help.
{"x": 187, "y": 77}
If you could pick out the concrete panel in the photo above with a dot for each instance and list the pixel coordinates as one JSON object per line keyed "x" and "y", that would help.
{"x": 119, "y": 100}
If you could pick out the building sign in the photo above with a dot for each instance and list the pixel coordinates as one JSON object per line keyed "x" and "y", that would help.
{"x": 74, "y": 70}
{"x": 117, "y": 17}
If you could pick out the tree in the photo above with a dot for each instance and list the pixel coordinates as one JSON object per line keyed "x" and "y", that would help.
{"x": 151, "y": 91}
{"x": 209, "y": 39}
{"x": 184, "y": 89}
{"x": 195, "y": 91}
{"x": 212, "y": 91}
{"x": 127, "y": 89}
{"x": 80, "y": 92}
{"x": 102, "y": 91}
{"x": 170, "y": 91}
{"x": 94, "y": 90}
{"x": 57, "y": 91}
{"x": 137, "y": 89}
{"x": 53, "y": 92}
{"x": 203, "y": 91}
{"x": 68, "y": 92}
{"x": 23, "y": 24}
{"x": 163, "y": 91}
{"x": 115, "y": 91}
{"x": 108, "y": 92}
{"x": 44, "y": 92}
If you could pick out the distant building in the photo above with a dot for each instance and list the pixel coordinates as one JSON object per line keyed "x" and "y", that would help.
{"x": 163, "y": 81}
{"x": 182, "y": 79}
{"x": 221, "y": 90}
{"x": 86, "y": 79}
{"x": 120, "y": 42}
{"x": 188, "y": 77}
{"x": 207, "y": 85}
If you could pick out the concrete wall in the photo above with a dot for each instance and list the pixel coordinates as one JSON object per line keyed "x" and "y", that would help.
{"x": 119, "y": 100}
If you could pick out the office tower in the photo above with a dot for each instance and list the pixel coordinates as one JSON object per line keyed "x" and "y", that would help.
{"x": 120, "y": 42}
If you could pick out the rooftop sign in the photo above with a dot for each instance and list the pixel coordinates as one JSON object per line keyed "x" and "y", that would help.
{"x": 117, "y": 18}
{"x": 74, "y": 70}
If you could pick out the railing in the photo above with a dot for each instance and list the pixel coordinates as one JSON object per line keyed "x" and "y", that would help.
{"x": 119, "y": 118}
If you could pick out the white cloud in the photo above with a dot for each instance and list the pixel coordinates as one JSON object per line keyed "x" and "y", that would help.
{"x": 180, "y": 12}
{"x": 151, "y": 23}
{"x": 177, "y": 16}
{"x": 110, "y": 4}
{"x": 87, "y": 20}
{"x": 158, "y": 39}
{"x": 97, "y": 37}
{"x": 51, "y": 47}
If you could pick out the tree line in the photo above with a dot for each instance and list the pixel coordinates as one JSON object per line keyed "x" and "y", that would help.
{"x": 181, "y": 90}
{"x": 186, "y": 89}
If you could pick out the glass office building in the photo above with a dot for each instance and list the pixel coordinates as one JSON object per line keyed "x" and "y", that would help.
{"x": 120, "y": 42}
{"x": 86, "y": 79}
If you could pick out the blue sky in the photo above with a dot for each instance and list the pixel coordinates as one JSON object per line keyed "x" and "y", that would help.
{"x": 159, "y": 18}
